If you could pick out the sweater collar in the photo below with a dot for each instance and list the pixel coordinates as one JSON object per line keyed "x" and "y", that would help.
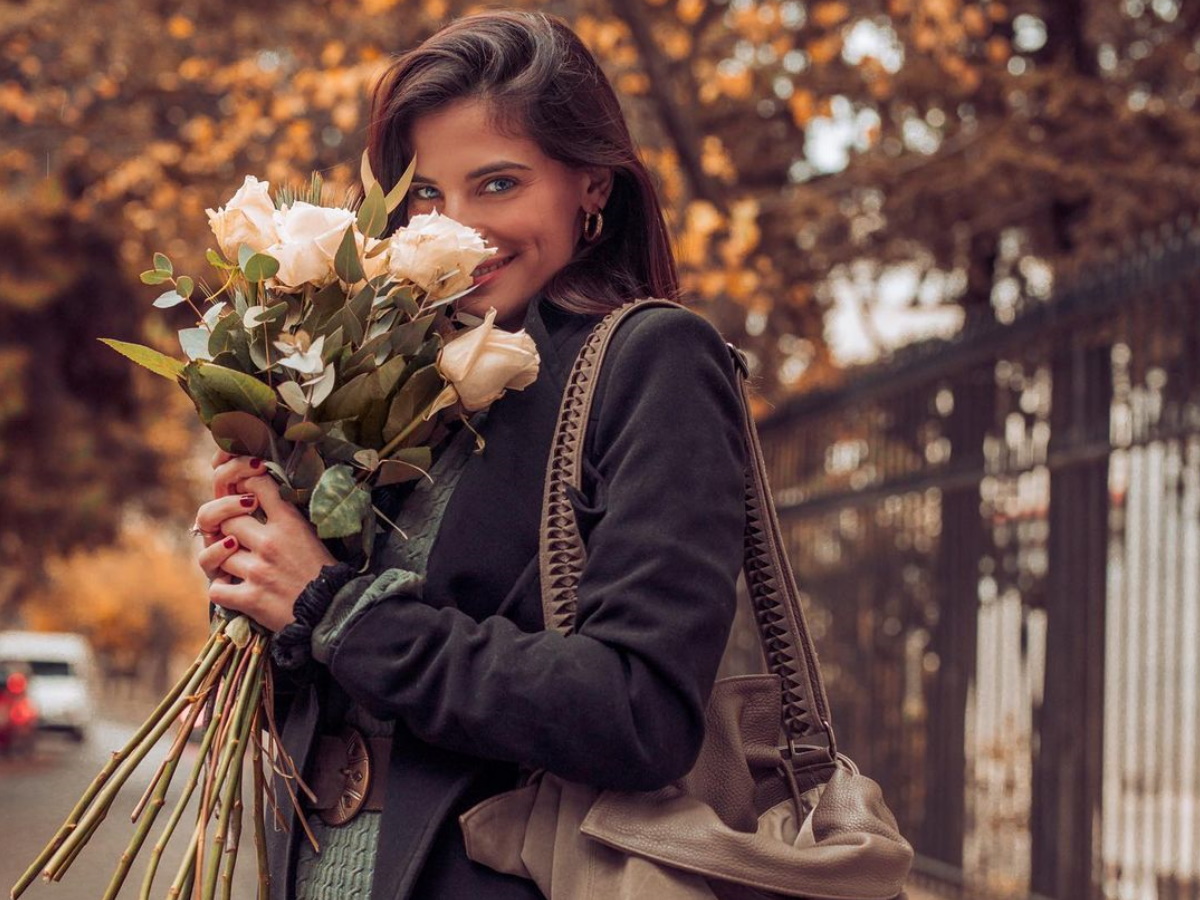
{"x": 558, "y": 335}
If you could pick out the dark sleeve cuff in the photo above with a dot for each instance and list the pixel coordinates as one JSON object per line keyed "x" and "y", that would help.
{"x": 291, "y": 648}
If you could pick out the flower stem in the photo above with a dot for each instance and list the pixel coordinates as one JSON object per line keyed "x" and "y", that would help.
{"x": 115, "y": 760}
{"x": 63, "y": 857}
{"x": 210, "y": 732}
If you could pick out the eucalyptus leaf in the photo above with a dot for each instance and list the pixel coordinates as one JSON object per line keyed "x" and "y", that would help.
{"x": 260, "y": 267}
{"x": 163, "y": 263}
{"x": 382, "y": 325}
{"x": 420, "y": 390}
{"x": 346, "y": 262}
{"x": 365, "y": 173}
{"x": 194, "y": 342}
{"x": 185, "y": 285}
{"x": 309, "y": 468}
{"x": 170, "y": 298}
{"x": 367, "y": 458}
{"x": 215, "y": 259}
{"x": 258, "y": 355}
{"x": 352, "y": 328}
{"x": 407, "y": 338}
{"x": 322, "y": 386}
{"x": 338, "y": 503}
{"x": 234, "y": 390}
{"x": 241, "y": 433}
{"x": 396, "y": 194}
{"x": 245, "y": 251}
{"x": 406, "y": 464}
{"x": 153, "y": 276}
{"x": 147, "y": 358}
{"x": 328, "y": 300}
{"x": 306, "y": 432}
{"x": 293, "y": 396}
{"x": 373, "y": 214}
{"x": 403, "y": 299}
{"x": 213, "y": 313}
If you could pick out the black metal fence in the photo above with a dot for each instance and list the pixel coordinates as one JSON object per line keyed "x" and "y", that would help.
{"x": 999, "y": 537}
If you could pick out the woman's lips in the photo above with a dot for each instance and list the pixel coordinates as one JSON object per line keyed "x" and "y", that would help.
{"x": 485, "y": 272}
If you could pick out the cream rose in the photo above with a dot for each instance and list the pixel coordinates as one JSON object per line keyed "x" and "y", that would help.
{"x": 248, "y": 218}
{"x": 309, "y": 237}
{"x": 437, "y": 254}
{"x": 481, "y": 364}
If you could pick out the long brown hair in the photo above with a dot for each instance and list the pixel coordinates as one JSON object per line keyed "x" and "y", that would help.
{"x": 540, "y": 81}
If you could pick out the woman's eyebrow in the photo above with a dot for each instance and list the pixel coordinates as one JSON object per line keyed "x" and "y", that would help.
{"x": 482, "y": 170}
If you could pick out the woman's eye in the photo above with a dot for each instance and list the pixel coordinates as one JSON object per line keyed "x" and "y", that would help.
{"x": 510, "y": 181}
{"x": 424, "y": 187}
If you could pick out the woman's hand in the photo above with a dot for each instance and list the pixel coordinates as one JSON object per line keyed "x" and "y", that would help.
{"x": 273, "y": 559}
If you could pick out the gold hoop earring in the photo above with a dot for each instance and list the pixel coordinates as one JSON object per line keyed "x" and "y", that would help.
{"x": 592, "y": 225}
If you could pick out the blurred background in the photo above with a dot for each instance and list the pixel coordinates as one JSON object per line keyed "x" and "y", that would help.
{"x": 957, "y": 239}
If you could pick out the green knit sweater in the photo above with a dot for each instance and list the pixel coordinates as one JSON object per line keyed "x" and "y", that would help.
{"x": 344, "y": 867}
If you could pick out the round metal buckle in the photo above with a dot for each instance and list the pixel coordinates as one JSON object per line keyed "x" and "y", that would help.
{"x": 356, "y": 775}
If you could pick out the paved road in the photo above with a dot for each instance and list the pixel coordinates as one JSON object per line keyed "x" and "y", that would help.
{"x": 37, "y": 793}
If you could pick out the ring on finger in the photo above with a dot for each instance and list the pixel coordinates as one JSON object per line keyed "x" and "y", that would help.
{"x": 196, "y": 531}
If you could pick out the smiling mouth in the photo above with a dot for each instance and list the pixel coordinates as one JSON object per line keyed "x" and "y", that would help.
{"x": 491, "y": 267}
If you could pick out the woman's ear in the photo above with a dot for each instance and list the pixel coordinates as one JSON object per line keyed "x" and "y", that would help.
{"x": 598, "y": 187}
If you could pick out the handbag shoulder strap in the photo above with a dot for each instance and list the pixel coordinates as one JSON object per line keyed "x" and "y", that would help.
{"x": 783, "y": 631}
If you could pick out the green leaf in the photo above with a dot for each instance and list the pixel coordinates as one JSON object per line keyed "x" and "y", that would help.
{"x": 259, "y": 267}
{"x": 241, "y": 433}
{"x": 293, "y": 396}
{"x": 403, "y": 298}
{"x": 338, "y": 504}
{"x": 407, "y": 338}
{"x": 396, "y": 194}
{"x": 194, "y": 342}
{"x": 170, "y": 298}
{"x": 352, "y": 328}
{"x": 215, "y": 259}
{"x": 346, "y": 262}
{"x": 184, "y": 285}
{"x": 306, "y": 432}
{"x": 373, "y": 214}
{"x": 365, "y": 173}
{"x": 225, "y": 390}
{"x": 163, "y": 264}
{"x": 158, "y": 363}
{"x": 404, "y": 465}
{"x": 245, "y": 251}
{"x": 309, "y": 468}
{"x": 153, "y": 276}
{"x": 411, "y": 400}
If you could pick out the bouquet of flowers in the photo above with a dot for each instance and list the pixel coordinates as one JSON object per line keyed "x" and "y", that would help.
{"x": 333, "y": 354}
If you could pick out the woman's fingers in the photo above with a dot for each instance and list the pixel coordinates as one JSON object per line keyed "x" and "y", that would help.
{"x": 216, "y": 555}
{"x": 266, "y": 490}
{"x": 213, "y": 518}
{"x": 229, "y": 474}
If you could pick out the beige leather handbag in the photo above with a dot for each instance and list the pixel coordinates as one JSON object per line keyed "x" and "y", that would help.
{"x": 770, "y": 809}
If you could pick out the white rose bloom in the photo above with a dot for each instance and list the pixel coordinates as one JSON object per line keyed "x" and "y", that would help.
{"x": 248, "y": 218}
{"x": 484, "y": 362}
{"x": 309, "y": 237}
{"x": 437, "y": 254}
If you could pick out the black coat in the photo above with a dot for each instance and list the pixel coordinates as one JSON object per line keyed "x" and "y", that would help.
{"x": 475, "y": 684}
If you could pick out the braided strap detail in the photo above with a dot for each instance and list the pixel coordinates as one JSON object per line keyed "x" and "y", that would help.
{"x": 562, "y": 553}
{"x": 774, "y": 597}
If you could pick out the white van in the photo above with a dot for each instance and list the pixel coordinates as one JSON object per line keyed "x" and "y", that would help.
{"x": 61, "y": 673}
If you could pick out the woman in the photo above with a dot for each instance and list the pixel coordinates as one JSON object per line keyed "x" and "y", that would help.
{"x": 438, "y": 655}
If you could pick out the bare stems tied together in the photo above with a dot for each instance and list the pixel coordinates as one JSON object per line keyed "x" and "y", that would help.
{"x": 231, "y": 679}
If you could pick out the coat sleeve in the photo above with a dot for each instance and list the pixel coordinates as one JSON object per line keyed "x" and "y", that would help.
{"x": 619, "y": 703}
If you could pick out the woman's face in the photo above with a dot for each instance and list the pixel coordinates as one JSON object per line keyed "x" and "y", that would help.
{"x": 527, "y": 205}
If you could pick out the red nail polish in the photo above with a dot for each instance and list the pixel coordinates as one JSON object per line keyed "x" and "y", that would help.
{"x": 230, "y": 542}
{"x": 255, "y": 462}
{"x": 247, "y": 500}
